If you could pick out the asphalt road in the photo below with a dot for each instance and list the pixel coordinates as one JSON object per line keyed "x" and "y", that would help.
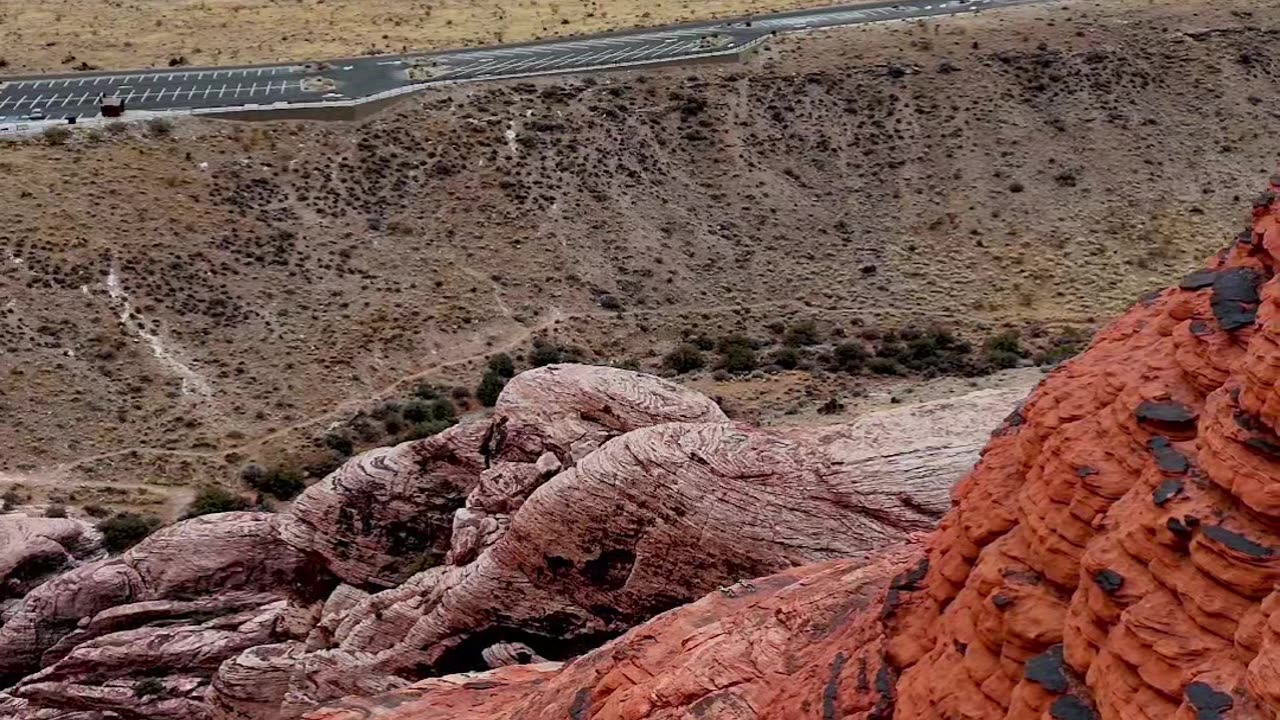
{"x": 77, "y": 94}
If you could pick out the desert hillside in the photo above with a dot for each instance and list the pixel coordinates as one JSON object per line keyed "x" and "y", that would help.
{"x": 180, "y": 302}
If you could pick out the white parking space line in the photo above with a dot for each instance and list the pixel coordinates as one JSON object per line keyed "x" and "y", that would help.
{"x": 129, "y": 97}
{"x": 144, "y": 96}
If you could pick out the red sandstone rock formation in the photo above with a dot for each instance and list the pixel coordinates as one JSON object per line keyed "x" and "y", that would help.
{"x": 1114, "y": 555}
{"x": 34, "y": 549}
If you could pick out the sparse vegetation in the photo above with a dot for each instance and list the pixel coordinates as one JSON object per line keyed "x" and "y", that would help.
{"x": 1063, "y": 346}
{"x": 147, "y": 687}
{"x": 56, "y": 135}
{"x": 279, "y": 483}
{"x": 124, "y": 530}
{"x": 490, "y": 388}
{"x": 212, "y": 499}
{"x": 1004, "y": 351}
{"x": 158, "y": 127}
{"x": 851, "y": 357}
{"x": 502, "y": 365}
{"x": 56, "y": 510}
{"x": 686, "y": 357}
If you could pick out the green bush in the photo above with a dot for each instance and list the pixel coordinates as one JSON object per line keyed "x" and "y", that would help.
{"x": 56, "y": 510}
{"x": 850, "y": 357}
{"x": 212, "y": 499}
{"x": 931, "y": 352}
{"x": 502, "y": 365}
{"x": 340, "y": 443}
{"x": 786, "y": 358}
{"x": 885, "y": 366}
{"x": 94, "y": 510}
{"x": 548, "y": 353}
{"x": 430, "y": 427}
{"x": 1004, "y": 350}
{"x": 802, "y": 334}
{"x": 737, "y": 354}
{"x": 124, "y": 530}
{"x": 490, "y": 388}
{"x": 279, "y": 483}
{"x": 686, "y": 357}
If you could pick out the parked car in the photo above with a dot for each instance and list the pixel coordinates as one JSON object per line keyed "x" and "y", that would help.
{"x": 36, "y": 114}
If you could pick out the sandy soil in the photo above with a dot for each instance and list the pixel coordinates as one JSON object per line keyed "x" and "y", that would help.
{"x": 1035, "y": 167}
{"x": 56, "y": 35}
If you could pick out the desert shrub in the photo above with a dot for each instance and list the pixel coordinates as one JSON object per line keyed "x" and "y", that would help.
{"x": 159, "y": 127}
{"x": 124, "y": 530}
{"x": 1004, "y": 350}
{"x": 56, "y": 135}
{"x": 802, "y": 334}
{"x": 427, "y": 391}
{"x": 10, "y": 498}
{"x": 850, "y": 357}
{"x": 460, "y": 393}
{"x": 1066, "y": 345}
{"x": 502, "y": 365}
{"x": 737, "y": 354}
{"x": 490, "y": 388}
{"x": 94, "y": 510}
{"x": 212, "y": 499}
{"x": 786, "y": 358}
{"x": 148, "y": 686}
{"x": 547, "y": 353}
{"x": 339, "y": 443}
{"x": 430, "y": 427}
{"x": 279, "y": 483}
{"x": 419, "y": 411}
{"x": 885, "y": 366}
{"x": 931, "y": 352}
{"x": 56, "y": 510}
{"x": 686, "y": 357}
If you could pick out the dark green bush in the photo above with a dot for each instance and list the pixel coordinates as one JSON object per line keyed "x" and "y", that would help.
{"x": 213, "y": 499}
{"x": 885, "y": 366}
{"x": 686, "y": 357}
{"x": 786, "y": 358}
{"x": 340, "y": 443}
{"x": 502, "y": 365}
{"x": 803, "y": 334}
{"x": 737, "y": 354}
{"x": 430, "y": 427}
{"x": 1004, "y": 350}
{"x": 124, "y": 530}
{"x": 490, "y": 388}
{"x": 94, "y": 510}
{"x": 931, "y": 352}
{"x": 279, "y": 483}
{"x": 850, "y": 357}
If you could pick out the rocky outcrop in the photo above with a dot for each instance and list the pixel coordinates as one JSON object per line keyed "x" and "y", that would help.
{"x": 35, "y": 549}
{"x": 547, "y": 561}
{"x": 1113, "y": 555}
{"x": 391, "y": 512}
{"x": 99, "y": 637}
{"x": 802, "y": 643}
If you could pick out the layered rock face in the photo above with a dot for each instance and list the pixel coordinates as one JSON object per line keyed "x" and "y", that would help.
{"x": 34, "y": 549}
{"x": 591, "y": 501}
{"x": 1113, "y": 555}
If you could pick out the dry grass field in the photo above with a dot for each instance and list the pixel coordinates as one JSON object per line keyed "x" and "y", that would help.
{"x": 57, "y": 35}
{"x": 175, "y": 305}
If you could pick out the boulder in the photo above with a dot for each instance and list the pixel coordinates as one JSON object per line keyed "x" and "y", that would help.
{"x": 214, "y": 558}
{"x": 33, "y": 549}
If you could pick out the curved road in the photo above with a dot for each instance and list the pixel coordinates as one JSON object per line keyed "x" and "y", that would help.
{"x": 76, "y": 95}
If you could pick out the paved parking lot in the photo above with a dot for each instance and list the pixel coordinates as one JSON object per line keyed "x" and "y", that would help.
{"x": 78, "y": 95}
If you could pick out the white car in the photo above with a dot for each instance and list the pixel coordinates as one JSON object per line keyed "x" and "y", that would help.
{"x": 36, "y": 114}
